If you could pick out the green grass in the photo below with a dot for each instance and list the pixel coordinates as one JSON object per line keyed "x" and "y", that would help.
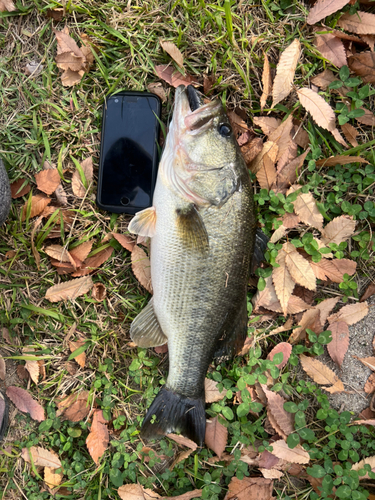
{"x": 41, "y": 120}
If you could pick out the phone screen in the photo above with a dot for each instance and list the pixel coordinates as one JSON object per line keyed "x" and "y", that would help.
{"x": 128, "y": 150}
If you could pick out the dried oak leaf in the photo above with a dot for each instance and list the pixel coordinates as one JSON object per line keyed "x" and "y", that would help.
{"x": 141, "y": 267}
{"x": 370, "y": 290}
{"x": 216, "y": 436}
{"x": 81, "y": 358}
{"x": 325, "y": 307}
{"x": 69, "y": 290}
{"x": 284, "y": 419}
{"x": 41, "y": 457}
{"x": 283, "y": 347}
{"x": 2, "y": 368}
{"x": 331, "y": 48}
{"x": 306, "y": 208}
{"x": 339, "y": 160}
{"x": 324, "y": 8}
{"x": 24, "y": 402}
{"x": 80, "y": 252}
{"x": 338, "y": 230}
{"x": 282, "y": 137}
{"x": 94, "y": 262}
{"x": 125, "y": 241}
{"x": 250, "y": 488}
{"x": 333, "y": 270}
{"x": 363, "y": 65}
{"x": 75, "y": 407}
{"x": 282, "y": 280}
{"x": 296, "y": 455}
{"x": 267, "y": 298}
{"x": 173, "y": 77}
{"x": 370, "y": 384}
{"x": 19, "y": 188}
{"x": 251, "y": 149}
{"x": 38, "y": 204}
{"x": 361, "y": 23}
{"x": 31, "y": 365}
{"x": 171, "y": 49}
{"x": 338, "y": 347}
{"x": 288, "y": 175}
{"x": 47, "y": 180}
{"x": 212, "y": 393}
{"x": 78, "y": 187}
{"x": 285, "y": 70}
{"x": 157, "y": 89}
{"x": 266, "y": 175}
{"x": 270, "y": 149}
{"x": 351, "y": 313}
{"x": 298, "y": 267}
{"x": 320, "y": 110}
{"x": 136, "y": 492}
{"x": 360, "y": 465}
{"x": 267, "y": 123}
{"x": 183, "y": 441}
{"x": 310, "y": 320}
{"x": 7, "y": 6}
{"x": 266, "y": 81}
{"x": 320, "y": 373}
{"x": 369, "y": 362}
{"x": 98, "y": 438}
{"x": 350, "y": 134}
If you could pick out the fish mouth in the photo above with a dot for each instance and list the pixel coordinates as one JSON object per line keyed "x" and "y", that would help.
{"x": 190, "y": 114}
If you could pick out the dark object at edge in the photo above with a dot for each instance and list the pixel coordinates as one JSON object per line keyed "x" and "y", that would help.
{"x": 5, "y": 195}
{"x": 4, "y": 415}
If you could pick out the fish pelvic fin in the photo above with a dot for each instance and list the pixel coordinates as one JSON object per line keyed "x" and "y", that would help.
{"x": 145, "y": 330}
{"x": 191, "y": 229}
{"x": 144, "y": 222}
{"x": 170, "y": 412}
{"x": 260, "y": 248}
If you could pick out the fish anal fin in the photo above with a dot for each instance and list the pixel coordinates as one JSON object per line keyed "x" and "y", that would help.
{"x": 145, "y": 330}
{"x": 234, "y": 336}
{"x": 191, "y": 229}
{"x": 144, "y": 222}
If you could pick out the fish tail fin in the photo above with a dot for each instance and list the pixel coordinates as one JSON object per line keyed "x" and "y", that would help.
{"x": 171, "y": 412}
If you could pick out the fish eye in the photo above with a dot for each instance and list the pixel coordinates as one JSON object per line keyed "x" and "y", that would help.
{"x": 225, "y": 129}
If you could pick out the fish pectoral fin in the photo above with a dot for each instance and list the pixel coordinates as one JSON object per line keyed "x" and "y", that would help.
{"x": 260, "y": 247}
{"x": 191, "y": 229}
{"x": 143, "y": 223}
{"x": 145, "y": 330}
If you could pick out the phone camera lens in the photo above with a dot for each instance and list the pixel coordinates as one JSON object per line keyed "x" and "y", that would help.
{"x": 116, "y": 100}
{"x": 125, "y": 201}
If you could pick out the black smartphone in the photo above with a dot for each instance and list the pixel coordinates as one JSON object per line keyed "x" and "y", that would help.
{"x": 128, "y": 152}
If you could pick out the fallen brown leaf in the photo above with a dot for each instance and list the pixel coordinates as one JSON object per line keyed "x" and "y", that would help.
{"x": 339, "y": 160}
{"x": 350, "y": 134}
{"x": 216, "y": 436}
{"x": 141, "y": 267}
{"x": 370, "y": 290}
{"x": 282, "y": 280}
{"x": 338, "y": 230}
{"x": 99, "y": 292}
{"x": 183, "y": 441}
{"x": 331, "y": 48}
{"x": 38, "y": 204}
{"x": 173, "y": 77}
{"x": 266, "y": 175}
{"x": 266, "y": 81}
{"x": 24, "y": 402}
{"x": 267, "y": 123}
{"x": 361, "y": 23}
{"x": 19, "y": 188}
{"x": 320, "y": 110}
{"x": 157, "y": 89}
{"x": 310, "y": 320}
{"x": 136, "y": 492}
{"x": 41, "y": 457}
{"x": 351, "y": 313}
{"x": 251, "y": 149}
{"x": 250, "y": 488}
{"x": 81, "y": 358}
{"x": 171, "y": 49}
{"x": 2, "y": 368}
{"x": 94, "y": 262}
{"x": 369, "y": 362}
{"x": 47, "y": 180}
{"x": 288, "y": 175}
{"x": 284, "y": 419}
{"x": 7, "y": 6}
{"x": 69, "y": 290}
{"x": 370, "y": 384}
{"x": 98, "y": 438}
{"x": 212, "y": 393}
{"x": 75, "y": 407}
{"x": 324, "y": 8}
{"x": 363, "y": 65}
{"x": 79, "y": 189}
{"x": 325, "y": 307}
{"x": 306, "y": 208}
{"x": 51, "y": 477}
{"x": 125, "y": 241}
{"x": 285, "y": 70}
{"x": 296, "y": 455}
{"x": 283, "y": 347}
{"x": 340, "y": 341}
{"x": 298, "y": 267}
{"x": 81, "y": 251}
{"x": 320, "y": 373}
{"x": 31, "y": 365}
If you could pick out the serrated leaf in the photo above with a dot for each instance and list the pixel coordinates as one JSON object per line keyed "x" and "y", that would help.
{"x": 81, "y": 357}
{"x": 310, "y": 320}
{"x": 306, "y": 208}
{"x": 338, "y": 230}
{"x": 325, "y": 307}
{"x": 41, "y": 457}
{"x": 38, "y": 204}
{"x": 141, "y": 267}
{"x": 267, "y": 123}
{"x": 69, "y": 290}
{"x": 271, "y": 149}
{"x": 267, "y": 298}
{"x": 266, "y": 175}
{"x": 362, "y": 23}
{"x": 78, "y": 188}
{"x": 299, "y": 267}
{"x": 283, "y": 347}
{"x": 350, "y": 134}
{"x": 320, "y": 110}
{"x": 285, "y": 71}
{"x": 250, "y": 488}
{"x": 324, "y": 8}
{"x": 363, "y": 65}
{"x": 31, "y": 365}
{"x": 267, "y": 82}
{"x": 216, "y": 436}
{"x": 284, "y": 419}
{"x": 92, "y": 263}
{"x": 320, "y": 373}
{"x": 331, "y": 48}
{"x": 338, "y": 347}
{"x": 183, "y": 441}
{"x": 351, "y": 313}
{"x": 282, "y": 280}
{"x": 137, "y": 492}
{"x": 47, "y": 180}
{"x": 167, "y": 73}
{"x": 339, "y": 160}
{"x": 25, "y": 402}
{"x": 296, "y": 455}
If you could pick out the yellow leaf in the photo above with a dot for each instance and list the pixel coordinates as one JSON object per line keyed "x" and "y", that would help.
{"x": 285, "y": 70}
{"x": 51, "y": 477}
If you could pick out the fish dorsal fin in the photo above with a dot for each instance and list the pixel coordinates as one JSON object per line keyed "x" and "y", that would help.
{"x": 191, "y": 229}
{"x": 145, "y": 330}
{"x": 143, "y": 223}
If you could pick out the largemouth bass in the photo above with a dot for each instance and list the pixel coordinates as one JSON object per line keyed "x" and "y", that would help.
{"x": 202, "y": 230}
